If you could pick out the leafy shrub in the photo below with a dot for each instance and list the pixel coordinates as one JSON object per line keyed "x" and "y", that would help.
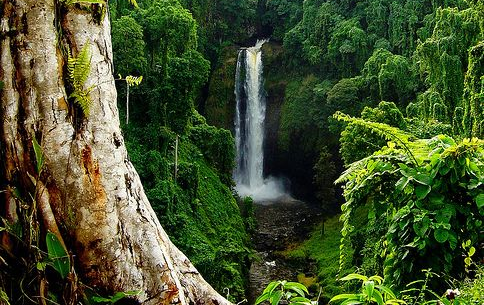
{"x": 431, "y": 193}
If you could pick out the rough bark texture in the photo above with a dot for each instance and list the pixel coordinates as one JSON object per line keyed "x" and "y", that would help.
{"x": 91, "y": 186}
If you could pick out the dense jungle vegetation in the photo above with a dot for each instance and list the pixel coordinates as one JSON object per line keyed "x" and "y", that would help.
{"x": 405, "y": 79}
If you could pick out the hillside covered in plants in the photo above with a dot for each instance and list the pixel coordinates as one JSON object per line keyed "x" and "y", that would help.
{"x": 373, "y": 114}
{"x": 386, "y": 95}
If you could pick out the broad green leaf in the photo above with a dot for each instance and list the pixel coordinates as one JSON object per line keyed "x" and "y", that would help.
{"x": 422, "y": 191}
{"x": 452, "y": 240}
{"x": 297, "y": 287}
{"x": 354, "y": 276}
{"x": 444, "y": 170}
{"x": 387, "y": 291}
{"x": 275, "y": 297}
{"x": 441, "y": 235}
{"x": 344, "y": 296}
{"x": 423, "y": 179}
{"x": 472, "y": 251}
{"x": 436, "y": 199}
{"x": 378, "y": 297}
{"x": 297, "y": 290}
{"x": 301, "y": 300}
{"x": 99, "y": 299}
{"x": 271, "y": 287}
{"x": 121, "y": 295}
{"x": 401, "y": 183}
{"x": 395, "y": 302}
{"x": 376, "y": 278}
{"x": 58, "y": 257}
{"x": 263, "y": 297}
{"x": 39, "y": 156}
{"x": 422, "y": 226}
{"x": 480, "y": 201}
{"x": 369, "y": 288}
{"x": 444, "y": 215}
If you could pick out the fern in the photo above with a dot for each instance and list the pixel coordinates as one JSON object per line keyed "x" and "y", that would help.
{"x": 133, "y": 80}
{"x": 78, "y": 69}
{"x": 388, "y": 132}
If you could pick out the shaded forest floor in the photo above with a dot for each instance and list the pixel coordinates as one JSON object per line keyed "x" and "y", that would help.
{"x": 281, "y": 225}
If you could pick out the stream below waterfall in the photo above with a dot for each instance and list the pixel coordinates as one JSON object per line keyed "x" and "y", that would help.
{"x": 281, "y": 224}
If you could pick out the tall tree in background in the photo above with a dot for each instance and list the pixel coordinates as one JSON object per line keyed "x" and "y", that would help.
{"x": 85, "y": 190}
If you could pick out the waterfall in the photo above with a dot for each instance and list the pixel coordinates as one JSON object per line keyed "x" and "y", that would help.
{"x": 249, "y": 127}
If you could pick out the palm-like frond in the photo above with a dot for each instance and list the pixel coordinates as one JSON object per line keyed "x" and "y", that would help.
{"x": 390, "y": 133}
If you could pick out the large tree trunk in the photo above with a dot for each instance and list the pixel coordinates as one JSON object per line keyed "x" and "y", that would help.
{"x": 92, "y": 192}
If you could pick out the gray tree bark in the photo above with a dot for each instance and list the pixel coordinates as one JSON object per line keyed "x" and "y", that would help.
{"x": 90, "y": 189}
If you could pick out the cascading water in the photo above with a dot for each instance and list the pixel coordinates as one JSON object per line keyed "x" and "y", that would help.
{"x": 249, "y": 127}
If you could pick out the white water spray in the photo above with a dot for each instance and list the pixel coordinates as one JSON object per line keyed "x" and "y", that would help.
{"x": 249, "y": 128}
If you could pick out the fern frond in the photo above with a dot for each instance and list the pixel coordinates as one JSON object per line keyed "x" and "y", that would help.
{"x": 390, "y": 133}
{"x": 82, "y": 99}
{"x": 133, "y": 80}
{"x": 78, "y": 70}
{"x": 83, "y": 65}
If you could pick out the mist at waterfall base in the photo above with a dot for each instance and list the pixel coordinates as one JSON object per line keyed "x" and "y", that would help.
{"x": 249, "y": 129}
{"x": 272, "y": 188}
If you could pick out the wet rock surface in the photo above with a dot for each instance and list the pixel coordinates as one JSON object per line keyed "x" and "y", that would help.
{"x": 280, "y": 223}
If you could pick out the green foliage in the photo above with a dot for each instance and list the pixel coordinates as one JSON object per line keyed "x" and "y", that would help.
{"x": 248, "y": 213}
{"x": 57, "y": 254}
{"x": 345, "y": 96}
{"x": 443, "y": 60}
{"x": 390, "y": 77}
{"x": 322, "y": 247}
{"x": 347, "y": 48}
{"x": 372, "y": 292}
{"x": 116, "y": 297}
{"x": 197, "y": 210}
{"x": 357, "y": 134}
{"x": 186, "y": 74}
{"x": 217, "y": 146}
{"x": 129, "y": 46}
{"x": 281, "y": 15}
{"x": 301, "y": 114}
{"x": 39, "y": 155}
{"x": 221, "y": 22}
{"x": 4, "y": 297}
{"x": 78, "y": 70}
{"x": 473, "y": 117}
{"x": 472, "y": 289}
{"x": 428, "y": 190}
{"x": 290, "y": 292}
{"x": 324, "y": 176}
{"x": 169, "y": 30}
